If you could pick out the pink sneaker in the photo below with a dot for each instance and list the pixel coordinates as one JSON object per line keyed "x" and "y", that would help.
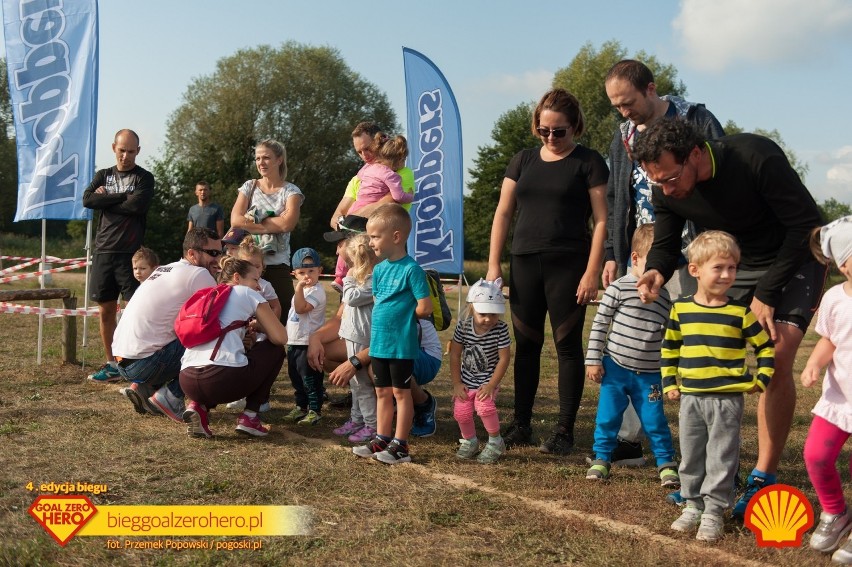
{"x": 252, "y": 426}
{"x": 362, "y": 435}
{"x": 195, "y": 417}
{"x": 348, "y": 428}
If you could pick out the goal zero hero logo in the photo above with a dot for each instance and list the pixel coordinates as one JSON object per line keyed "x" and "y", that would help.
{"x": 62, "y": 516}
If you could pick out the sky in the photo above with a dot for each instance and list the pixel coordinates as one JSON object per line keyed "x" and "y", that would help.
{"x": 771, "y": 64}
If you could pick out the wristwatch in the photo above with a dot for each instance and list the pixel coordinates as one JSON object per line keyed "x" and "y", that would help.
{"x": 355, "y": 362}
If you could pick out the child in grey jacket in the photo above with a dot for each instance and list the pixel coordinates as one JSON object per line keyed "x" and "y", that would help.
{"x": 355, "y": 330}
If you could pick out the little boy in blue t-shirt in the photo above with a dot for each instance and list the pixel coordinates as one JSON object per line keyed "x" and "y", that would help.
{"x": 401, "y": 296}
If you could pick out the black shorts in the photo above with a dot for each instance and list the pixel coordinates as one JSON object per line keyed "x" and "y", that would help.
{"x": 111, "y": 275}
{"x": 396, "y": 372}
{"x": 799, "y": 298}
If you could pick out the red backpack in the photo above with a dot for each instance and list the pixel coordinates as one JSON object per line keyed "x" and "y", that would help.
{"x": 198, "y": 320}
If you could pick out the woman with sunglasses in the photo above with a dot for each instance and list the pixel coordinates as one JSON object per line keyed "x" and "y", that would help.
{"x": 558, "y": 192}
{"x": 269, "y": 209}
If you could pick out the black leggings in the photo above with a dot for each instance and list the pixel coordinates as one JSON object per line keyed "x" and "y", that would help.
{"x": 542, "y": 284}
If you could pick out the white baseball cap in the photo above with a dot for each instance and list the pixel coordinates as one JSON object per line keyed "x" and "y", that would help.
{"x": 487, "y": 297}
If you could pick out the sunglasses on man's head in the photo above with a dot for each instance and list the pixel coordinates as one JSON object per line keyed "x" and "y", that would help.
{"x": 211, "y": 253}
{"x": 546, "y": 132}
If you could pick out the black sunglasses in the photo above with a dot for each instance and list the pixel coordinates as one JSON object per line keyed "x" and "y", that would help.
{"x": 211, "y": 253}
{"x": 546, "y": 132}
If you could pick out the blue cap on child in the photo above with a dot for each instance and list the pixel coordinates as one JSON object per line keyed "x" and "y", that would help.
{"x": 306, "y": 258}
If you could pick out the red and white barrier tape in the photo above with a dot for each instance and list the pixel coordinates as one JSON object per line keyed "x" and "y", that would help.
{"x": 49, "y": 311}
{"x": 37, "y": 274}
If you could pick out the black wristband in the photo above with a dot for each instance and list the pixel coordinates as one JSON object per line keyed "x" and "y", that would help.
{"x": 356, "y": 363}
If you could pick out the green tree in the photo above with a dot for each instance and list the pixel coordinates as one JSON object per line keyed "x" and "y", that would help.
{"x": 832, "y": 209}
{"x": 584, "y": 77}
{"x": 511, "y": 134}
{"x": 801, "y": 167}
{"x": 304, "y": 96}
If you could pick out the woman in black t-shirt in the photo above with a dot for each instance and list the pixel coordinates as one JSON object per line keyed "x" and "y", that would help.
{"x": 555, "y": 258}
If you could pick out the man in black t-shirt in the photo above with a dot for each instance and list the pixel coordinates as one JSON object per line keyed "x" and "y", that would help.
{"x": 122, "y": 194}
{"x": 742, "y": 184}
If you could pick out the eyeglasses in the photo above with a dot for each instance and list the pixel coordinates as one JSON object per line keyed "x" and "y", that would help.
{"x": 211, "y": 253}
{"x": 660, "y": 184}
{"x": 546, "y": 132}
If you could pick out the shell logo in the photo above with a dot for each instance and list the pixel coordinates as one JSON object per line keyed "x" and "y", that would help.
{"x": 779, "y": 515}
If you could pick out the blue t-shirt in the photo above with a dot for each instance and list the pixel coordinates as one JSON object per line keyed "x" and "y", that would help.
{"x": 397, "y": 287}
{"x": 206, "y": 216}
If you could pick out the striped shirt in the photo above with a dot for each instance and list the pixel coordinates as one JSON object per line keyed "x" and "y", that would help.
{"x": 706, "y": 347}
{"x": 480, "y": 353}
{"x": 627, "y": 330}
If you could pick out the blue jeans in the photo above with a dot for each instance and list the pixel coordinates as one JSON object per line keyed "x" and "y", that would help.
{"x": 162, "y": 367}
{"x": 645, "y": 390}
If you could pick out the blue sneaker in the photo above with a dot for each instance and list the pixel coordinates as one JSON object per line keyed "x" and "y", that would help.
{"x": 756, "y": 481}
{"x": 675, "y": 498}
{"x": 424, "y": 421}
{"x": 105, "y": 374}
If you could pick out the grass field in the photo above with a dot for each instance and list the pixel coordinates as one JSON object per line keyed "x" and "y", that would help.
{"x": 529, "y": 509}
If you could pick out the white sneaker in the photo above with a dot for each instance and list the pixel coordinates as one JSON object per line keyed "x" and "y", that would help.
{"x": 240, "y": 405}
{"x": 711, "y": 528}
{"x": 468, "y": 448}
{"x": 832, "y": 529}
{"x": 689, "y": 518}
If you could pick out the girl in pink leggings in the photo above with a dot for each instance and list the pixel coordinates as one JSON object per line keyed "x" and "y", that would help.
{"x": 832, "y": 423}
{"x": 479, "y": 357}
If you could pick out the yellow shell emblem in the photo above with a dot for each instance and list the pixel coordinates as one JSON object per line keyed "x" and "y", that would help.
{"x": 779, "y": 515}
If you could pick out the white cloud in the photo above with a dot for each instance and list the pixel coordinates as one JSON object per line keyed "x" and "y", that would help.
{"x": 719, "y": 33}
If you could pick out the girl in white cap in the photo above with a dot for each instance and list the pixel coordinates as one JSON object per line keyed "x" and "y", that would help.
{"x": 479, "y": 358}
{"x": 832, "y": 422}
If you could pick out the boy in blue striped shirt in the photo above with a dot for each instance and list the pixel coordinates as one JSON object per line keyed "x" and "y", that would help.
{"x": 624, "y": 358}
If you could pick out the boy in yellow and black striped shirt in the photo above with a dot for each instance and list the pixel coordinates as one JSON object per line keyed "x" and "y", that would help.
{"x": 705, "y": 348}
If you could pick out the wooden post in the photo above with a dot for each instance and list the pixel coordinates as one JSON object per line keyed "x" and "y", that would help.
{"x": 69, "y": 332}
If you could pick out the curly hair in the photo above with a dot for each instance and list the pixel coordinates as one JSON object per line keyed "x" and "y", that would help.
{"x": 672, "y": 135}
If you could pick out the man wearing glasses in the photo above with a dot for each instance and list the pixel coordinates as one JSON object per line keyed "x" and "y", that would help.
{"x": 744, "y": 185}
{"x": 631, "y": 90}
{"x": 146, "y": 346}
{"x": 122, "y": 194}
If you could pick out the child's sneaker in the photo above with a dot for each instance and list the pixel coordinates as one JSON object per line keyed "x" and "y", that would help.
{"x": 689, "y": 518}
{"x": 311, "y": 418}
{"x": 831, "y": 530}
{"x": 296, "y": 414}
{"x": 375, "y": 445}
{"x": 362, "y": 435}
{"x": 337, "y": 284}
{"x": 238, "y": 405}
{"x": 348, "y": 428}
{"x": 711, "y": 528}
{"x": 394, "y": 454}
{"x": 492, "y": 452}
{"x": 844, "y": 554}
{"x": 468, "y": 448}
{"x": 252, "y": 426}
{"x": 195, "y": 417}
{"x": 105, "y": 374}
{"x": 669, "y": 477}
{"x": 598, "y": 471}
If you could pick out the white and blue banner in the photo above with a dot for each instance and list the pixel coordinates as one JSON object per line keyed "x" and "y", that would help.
{"x": 52, "y": 58}
{"x": 435, "y": 156}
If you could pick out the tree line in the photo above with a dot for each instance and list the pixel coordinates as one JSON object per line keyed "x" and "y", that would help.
{"x": 308, "y": 98}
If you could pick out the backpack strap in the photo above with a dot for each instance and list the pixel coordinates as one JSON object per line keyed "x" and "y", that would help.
{"x": 225, "y": 330}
